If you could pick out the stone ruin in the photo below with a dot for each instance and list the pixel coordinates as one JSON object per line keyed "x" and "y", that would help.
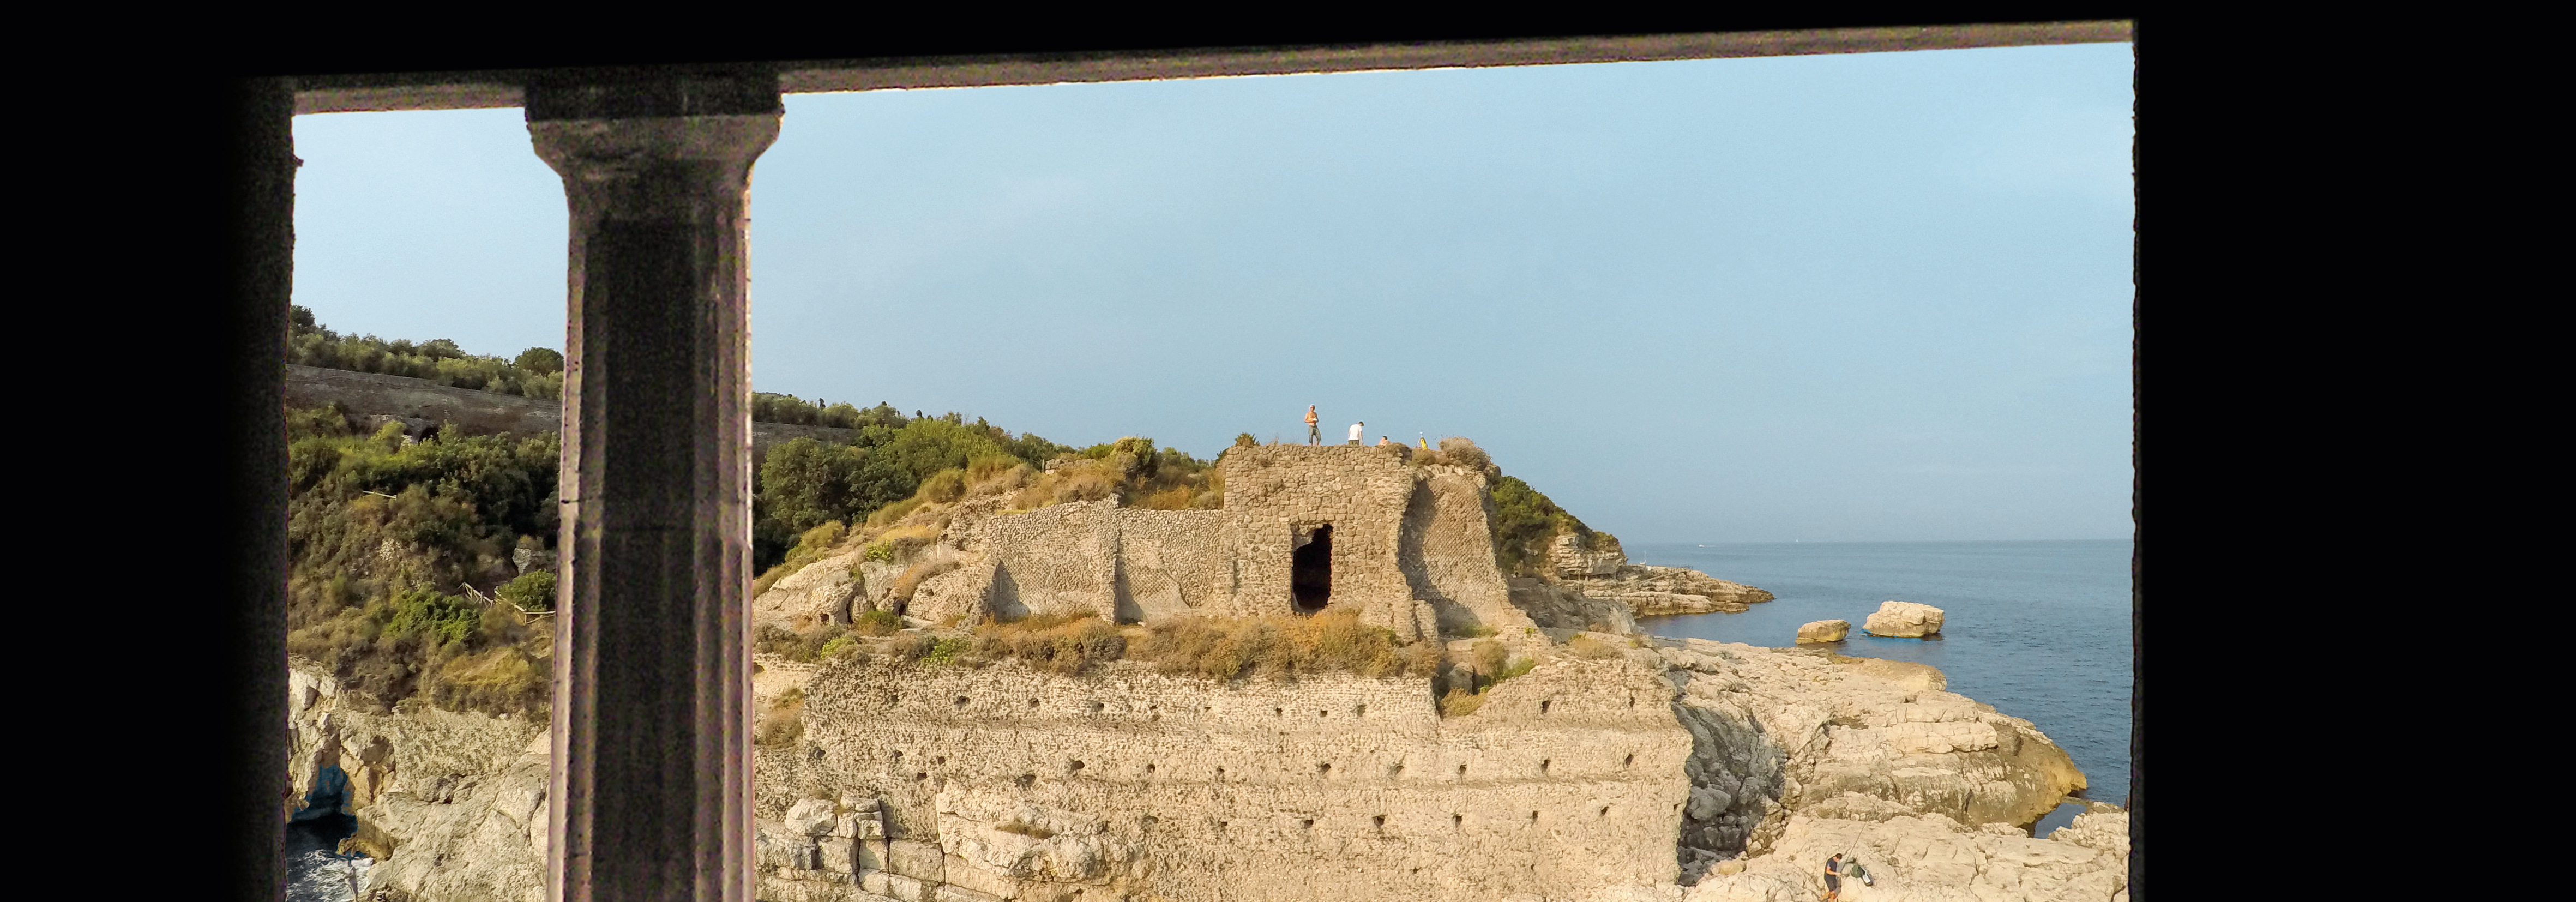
{"x": 1303, "y": 529}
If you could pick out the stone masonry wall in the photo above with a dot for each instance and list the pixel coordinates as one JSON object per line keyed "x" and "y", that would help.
{"x": 1447, "y": 552}
{"x": 1172, "y": 562}
{"x": 1004, "y": 783}
{"x": 1059, "y": 559}
{"x": 1272, "y": 491}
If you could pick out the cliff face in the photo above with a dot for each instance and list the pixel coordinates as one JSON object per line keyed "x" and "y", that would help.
{"x": 452, "y": 804}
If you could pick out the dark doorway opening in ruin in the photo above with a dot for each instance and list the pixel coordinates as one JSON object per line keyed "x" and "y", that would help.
{"x": 1310, "y": 572}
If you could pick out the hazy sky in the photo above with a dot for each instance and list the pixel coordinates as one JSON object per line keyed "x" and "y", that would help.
{"x": 1821, "y": 298}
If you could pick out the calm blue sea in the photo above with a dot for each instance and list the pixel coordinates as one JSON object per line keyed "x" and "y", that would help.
{"x": 2040, "y": 630}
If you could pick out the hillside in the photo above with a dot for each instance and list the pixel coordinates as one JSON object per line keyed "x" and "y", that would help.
{"x": 413, "y": 500}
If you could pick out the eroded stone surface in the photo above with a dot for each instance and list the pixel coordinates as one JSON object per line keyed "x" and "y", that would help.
{"x": 456, "y": 800}
{"x": 1824, "y": 631}
{"x": 1904, "y": 620}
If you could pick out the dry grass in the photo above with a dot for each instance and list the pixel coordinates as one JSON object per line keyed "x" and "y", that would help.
{"x": 900, "y": 542}
{"x": 943, "y": 487}
{"x": 783, "y": 723}
{"x": 500, "y": 680}
{"x": 1067, "y": 644}
{"x": 1489, "y": 664}
{"x": 912, "y": 579}
{"x": 1082, "y": 480}
{"x": 1584, "y": 646}
{"x": 894, "y": 513}
{"x": 1031, "y": 831}
{"x": 1282, "y": 647}
{"x": 1176, "y": 498}
{"x": 810, "y": 547}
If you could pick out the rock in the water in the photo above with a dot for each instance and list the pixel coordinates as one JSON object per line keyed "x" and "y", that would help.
{"x": 1824, "y": 631}
{"x": 1904, "y": 620}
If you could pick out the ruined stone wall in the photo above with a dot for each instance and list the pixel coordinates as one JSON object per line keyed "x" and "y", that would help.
{"x": 1006, "y": 783}
{"x": 1172, "y": 562}
{"x": 1447, "y": 552}
{"x": 1059, "y": 559}
{"x": 1271, "y": 491}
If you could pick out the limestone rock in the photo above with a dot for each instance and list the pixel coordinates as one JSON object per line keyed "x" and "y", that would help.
{"x": 820, "y": 593}
{"x": 1653, "y": 591}
{"x": 1933, "y": 857}
{"x": 1824, "y": 631}
{"x": 811, "y": 817}
{"x": 1569, "y": 557}
{"x": 1904, "y": 620}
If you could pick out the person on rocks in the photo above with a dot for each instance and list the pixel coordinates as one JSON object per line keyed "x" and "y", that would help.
{"x": 1355, "y": 432}
{"x": 1313, "y": 436}
{"x": 1834, "y": 877}
{"x": 1383, "y": 441}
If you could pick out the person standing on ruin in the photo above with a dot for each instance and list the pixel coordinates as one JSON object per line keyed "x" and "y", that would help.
{"x": 1355, "y": 432}
{"x": 1313, "y": 436}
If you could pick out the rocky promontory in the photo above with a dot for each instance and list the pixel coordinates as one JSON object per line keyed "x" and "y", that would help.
{"x": 1596, "y": 567}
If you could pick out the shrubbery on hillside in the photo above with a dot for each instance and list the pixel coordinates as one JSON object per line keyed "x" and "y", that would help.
{"x": 382, "y": 537}
{"x": 535, "y": 373}
{"x": 1524, "y": 522}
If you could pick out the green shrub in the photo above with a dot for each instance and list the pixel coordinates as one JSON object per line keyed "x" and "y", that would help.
{"x": 532, "y": 591}
{"x": 876, "y": 623}
{"x": 840, "y": 646}
{"x": 944, "y": 487}
{"x": 802, "y": 647}
{"x": 946, "y": 650}
{"x": 439, "y": 618}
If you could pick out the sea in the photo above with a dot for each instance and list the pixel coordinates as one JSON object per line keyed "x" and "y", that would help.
{"x": 2040, "y": 630}
{"x": 313, "y": 872}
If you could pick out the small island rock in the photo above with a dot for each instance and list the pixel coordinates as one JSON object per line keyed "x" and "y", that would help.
{"x": 1904, "y": 620}
{"x": 1825, "y": 631}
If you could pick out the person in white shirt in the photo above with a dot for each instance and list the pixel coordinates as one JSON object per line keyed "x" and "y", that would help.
{"x": 1355, "y": 432}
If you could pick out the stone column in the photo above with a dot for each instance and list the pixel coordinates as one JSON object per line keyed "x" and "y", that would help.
{"x": 651, "y": 793}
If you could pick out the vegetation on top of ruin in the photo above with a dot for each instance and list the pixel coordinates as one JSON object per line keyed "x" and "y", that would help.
{"x": 1461, "y": 687}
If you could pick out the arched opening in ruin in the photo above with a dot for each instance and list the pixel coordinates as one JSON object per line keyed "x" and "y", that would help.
{"x": 1310, "y": 572}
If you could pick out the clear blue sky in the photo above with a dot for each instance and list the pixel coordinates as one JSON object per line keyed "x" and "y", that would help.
{"x": 1822, "y": 298}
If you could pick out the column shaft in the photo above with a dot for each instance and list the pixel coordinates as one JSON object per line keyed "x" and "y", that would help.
{"x": 651, "y": 795}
